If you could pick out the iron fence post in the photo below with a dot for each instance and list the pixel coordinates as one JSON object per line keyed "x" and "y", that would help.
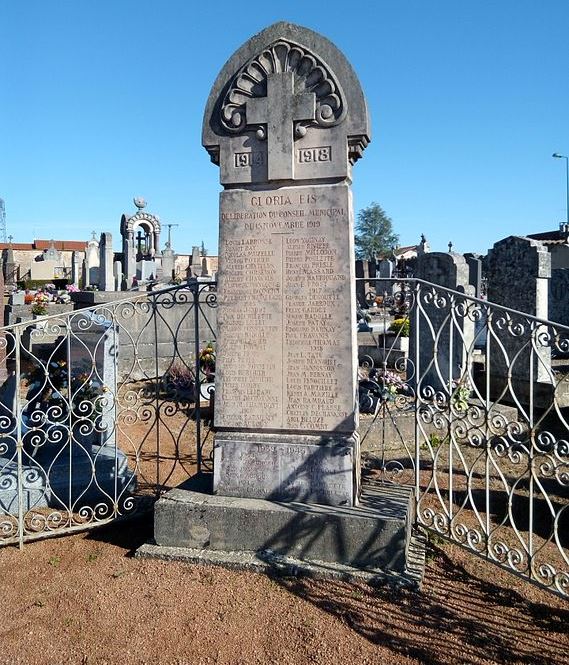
{"x": 416, "y": 325}
{"x": 193, "y": 285}
{"x": 19, "y": 442}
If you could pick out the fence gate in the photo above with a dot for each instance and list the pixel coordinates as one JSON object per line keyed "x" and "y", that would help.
{"x": 472, "y": 408}
{"x": 104, "y": 408}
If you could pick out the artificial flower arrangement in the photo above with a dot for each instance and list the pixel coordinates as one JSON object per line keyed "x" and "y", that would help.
{"x": 207, "y": 360}
{"x": 40, "y": 303}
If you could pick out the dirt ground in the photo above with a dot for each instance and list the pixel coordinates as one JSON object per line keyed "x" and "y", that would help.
{"x": 86, "y": 599}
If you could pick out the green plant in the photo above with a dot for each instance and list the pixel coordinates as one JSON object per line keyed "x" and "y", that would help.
{"x": 39, "y": 309}
{"x": 374, "y": 233}
{"x": 461, "y": 394}
{"x": 39, "y": 303}
{"x": 435, "y": 442}
{"x": 401, "y": 327}
{"x": 434, "y": 545}
{"x": 54, "y": 561}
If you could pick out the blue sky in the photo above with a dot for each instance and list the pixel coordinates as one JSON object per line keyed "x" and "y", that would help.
{"x": 101, "y": 101}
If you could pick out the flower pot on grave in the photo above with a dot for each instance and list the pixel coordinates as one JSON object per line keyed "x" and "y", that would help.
{"x": 393, "y": 342}
{"x": 40, "y": 321}
{"x": 401, "y": 344}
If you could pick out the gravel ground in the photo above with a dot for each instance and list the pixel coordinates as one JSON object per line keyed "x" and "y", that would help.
{"x": 86, "y": 599}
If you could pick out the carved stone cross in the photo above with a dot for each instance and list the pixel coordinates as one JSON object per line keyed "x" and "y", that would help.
{"x": 279, "y": 110}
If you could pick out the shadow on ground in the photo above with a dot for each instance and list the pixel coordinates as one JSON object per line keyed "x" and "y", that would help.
{"x": 456, "y": 617}
{"x": 128, "y": 534}
{"x": 461, "y": 615}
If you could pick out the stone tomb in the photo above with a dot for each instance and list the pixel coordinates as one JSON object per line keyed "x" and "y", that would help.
{"x": 285, "y": 121}
{"x": 519, "y": 274}
{"x": 67, "y": 464}
{"x": 446, "y": 334}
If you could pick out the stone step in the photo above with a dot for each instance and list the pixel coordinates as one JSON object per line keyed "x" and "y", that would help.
{"x": 373, "y": 539}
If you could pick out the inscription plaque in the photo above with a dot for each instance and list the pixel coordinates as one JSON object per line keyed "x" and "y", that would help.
{"x": 305, "y": 472}
{"x": 285, "y": 310}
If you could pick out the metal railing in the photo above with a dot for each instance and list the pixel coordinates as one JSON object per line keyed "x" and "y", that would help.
{"x": 474, "y": 413}
{"x": 104, "y": 408}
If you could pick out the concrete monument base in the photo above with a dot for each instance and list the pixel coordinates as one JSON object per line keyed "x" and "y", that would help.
{"x": 287, "y": 467}
{"x": 372, "y": 541}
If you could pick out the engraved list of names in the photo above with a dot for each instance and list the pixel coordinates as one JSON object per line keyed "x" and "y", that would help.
{"x": 285, "y": 321}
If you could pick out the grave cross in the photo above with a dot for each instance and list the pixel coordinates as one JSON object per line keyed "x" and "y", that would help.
{"x": 279, "y": 110}
{"x": 10, "y": 238}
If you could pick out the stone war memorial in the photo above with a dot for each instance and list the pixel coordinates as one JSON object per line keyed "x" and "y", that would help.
{"x": 285, "y": 121}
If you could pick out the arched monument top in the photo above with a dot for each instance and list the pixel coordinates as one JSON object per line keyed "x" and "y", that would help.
{"x": 130, "y": 222}
{"x": 294, "y": 79}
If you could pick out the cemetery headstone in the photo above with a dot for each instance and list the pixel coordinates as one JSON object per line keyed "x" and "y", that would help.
{"x": 10, "y": 267}
{"x": 106, "y": 261}
{"x": 558, "y": 306}
{"x": 140, "y": 241}
{"x": 519, "y": 270}
{"x": 75, "y": 268}
{"x": 91, "y": 263}
{"x": 3, "y": 340}
{"x": 285, "y": 121}
{"x": 386, "y": 268}
{"x": 52, "y": 254}
{"x": 43, "y": 270}
{"x": 168, "y": 263}
{"x": 117, "y": 275}
{"x": 423, "y": 247}
{"x": 474, "y": 272}
{"x": 446, "y": 335}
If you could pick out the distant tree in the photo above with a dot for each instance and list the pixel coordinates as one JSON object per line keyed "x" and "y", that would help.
{"x": 374, "y": 233}
{"x": 203, "y": 250}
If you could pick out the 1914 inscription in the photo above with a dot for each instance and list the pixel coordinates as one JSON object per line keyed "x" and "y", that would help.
{"x": 285, "y": 315}
{"x": 256, "y": 158}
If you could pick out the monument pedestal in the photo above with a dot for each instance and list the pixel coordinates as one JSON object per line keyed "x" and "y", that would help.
{"x": 372, "y": 542}
{"x": 287, "y": 467}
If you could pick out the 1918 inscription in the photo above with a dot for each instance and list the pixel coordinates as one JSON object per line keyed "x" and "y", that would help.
{"x": 308, "y": 155}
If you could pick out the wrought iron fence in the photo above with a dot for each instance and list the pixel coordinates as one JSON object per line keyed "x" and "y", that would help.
{"x": 474, "y": 412}
{"x": 103, "y": 408}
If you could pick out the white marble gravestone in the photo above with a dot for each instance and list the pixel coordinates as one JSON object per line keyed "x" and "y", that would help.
{"x": 285, "y": 121}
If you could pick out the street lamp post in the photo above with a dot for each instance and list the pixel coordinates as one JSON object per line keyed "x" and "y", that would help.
{"x": 558, "y": 156}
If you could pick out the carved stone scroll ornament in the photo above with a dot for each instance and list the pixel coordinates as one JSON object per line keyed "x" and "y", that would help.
{"x": 311, "y": 76}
